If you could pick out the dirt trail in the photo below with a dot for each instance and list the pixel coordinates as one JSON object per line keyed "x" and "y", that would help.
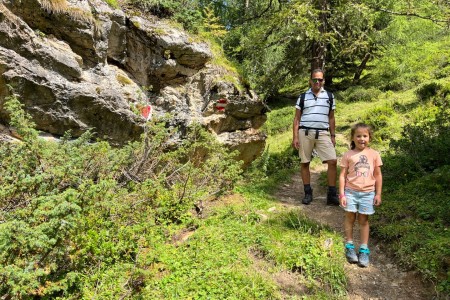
{"x": 382, "y": 279}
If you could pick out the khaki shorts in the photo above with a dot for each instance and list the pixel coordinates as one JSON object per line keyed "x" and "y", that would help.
{"x": 323, "y": 145}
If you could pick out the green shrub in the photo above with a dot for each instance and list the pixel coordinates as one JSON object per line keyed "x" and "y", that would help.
{"x": 279, "y": 120}
{"x": 112, "y": 3}
{"x": 379, "y": 116}
{"x": 443, "y": 71}
{"x": 186, "y": 13}
{"x": 423, "y": 147}
{"x": 358, "y": 93}
{"x": 428, "y": 90}
{"x": 80, "y": 214}
{"x": 414, "y": 218}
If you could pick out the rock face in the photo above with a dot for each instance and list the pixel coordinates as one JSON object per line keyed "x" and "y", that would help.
{"x": 79, "y": 65}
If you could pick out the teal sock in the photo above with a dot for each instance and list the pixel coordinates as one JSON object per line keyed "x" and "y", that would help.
{"x": 363, "y": 246}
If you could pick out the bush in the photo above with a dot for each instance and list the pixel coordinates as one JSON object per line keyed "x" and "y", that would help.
{"x": 80, "y": 214}
{"x": 378, "y": 117}
{"x": 414, "y": 219}
{"x": 185, "y": 13}
{"x": 359, "y": 93}
{"x": 443, "y": 72}
{"x": 428, "y": 90}
{"x": 424, "y": 147}
{"x": 279, "y": 120}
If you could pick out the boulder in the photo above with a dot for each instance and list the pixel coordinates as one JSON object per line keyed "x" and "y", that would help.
{"x": 80, "y": 65}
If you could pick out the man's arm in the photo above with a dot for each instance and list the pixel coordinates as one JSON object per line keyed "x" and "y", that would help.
{"x": 332, "y": 122}
{"x": 295, "y": 126}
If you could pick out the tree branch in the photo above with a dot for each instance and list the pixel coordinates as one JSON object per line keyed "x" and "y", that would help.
{"x": 409, "y": 14}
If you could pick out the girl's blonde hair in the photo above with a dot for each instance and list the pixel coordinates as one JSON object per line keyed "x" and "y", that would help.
{"x": 356, "y": 127}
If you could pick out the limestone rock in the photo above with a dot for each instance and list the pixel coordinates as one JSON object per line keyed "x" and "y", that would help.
{"x": 79, "y": 65}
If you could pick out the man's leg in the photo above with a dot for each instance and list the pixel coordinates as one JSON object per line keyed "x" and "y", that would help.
{"x": 306, "y": 175}
{"x": 332, "y": 197}
{"x": 306, "y": 178}
{"x": 332, "y": 172}
{"x": 327, "y": 154}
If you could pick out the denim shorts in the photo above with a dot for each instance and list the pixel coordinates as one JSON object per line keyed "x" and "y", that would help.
{"x": 361, "y": 202}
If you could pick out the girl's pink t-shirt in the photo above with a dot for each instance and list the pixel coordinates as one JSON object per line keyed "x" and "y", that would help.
{"x": 360, "y": 166}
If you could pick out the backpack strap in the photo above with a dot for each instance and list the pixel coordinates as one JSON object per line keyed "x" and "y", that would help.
{"x": 330, "y": 99}
{"x": 302, "y": 101}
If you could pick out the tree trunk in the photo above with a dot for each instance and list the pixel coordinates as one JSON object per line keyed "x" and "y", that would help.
{"x": 319, "y": 48}
{"x": 361, "y": 67}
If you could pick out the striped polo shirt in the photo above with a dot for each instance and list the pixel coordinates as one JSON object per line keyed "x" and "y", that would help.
{"x": 315, "y": 110}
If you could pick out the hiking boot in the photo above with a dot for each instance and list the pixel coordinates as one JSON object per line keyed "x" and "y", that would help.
{"x": 308, "y": 198}
{"x": 363, "y": 259}
{"x": 332, "y": 198}
{"x": 350, "y": 253}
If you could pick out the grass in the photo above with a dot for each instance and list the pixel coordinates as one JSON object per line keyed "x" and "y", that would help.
{"x": 241, "y": 245}
{"x": 413, "y": 220}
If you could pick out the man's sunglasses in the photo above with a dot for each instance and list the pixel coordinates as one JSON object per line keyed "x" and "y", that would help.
{"x": 316, "y": 80}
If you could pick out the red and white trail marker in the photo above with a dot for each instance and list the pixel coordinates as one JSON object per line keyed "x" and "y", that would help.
{"x": 146, "y": 112}
{"x": 221, "y": 104}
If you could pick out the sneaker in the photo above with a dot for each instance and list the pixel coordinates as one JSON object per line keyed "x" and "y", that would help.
{"x": 332, "y": 198}
{"x": 350, "y": 253}
{"x": 363, "y": 259}
{"x": 308, "y": 198}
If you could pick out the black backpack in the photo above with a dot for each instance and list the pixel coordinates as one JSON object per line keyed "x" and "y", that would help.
{"x": 330, "y": 99}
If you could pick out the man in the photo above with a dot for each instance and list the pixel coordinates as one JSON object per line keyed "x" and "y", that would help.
{"x": 314, "y": 128}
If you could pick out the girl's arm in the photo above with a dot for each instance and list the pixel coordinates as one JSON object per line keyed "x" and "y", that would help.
{"x": 378, "y": 185}
{"x": 342, "y": 177}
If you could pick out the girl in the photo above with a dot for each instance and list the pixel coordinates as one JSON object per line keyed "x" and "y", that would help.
{"x": 360, "y": 185}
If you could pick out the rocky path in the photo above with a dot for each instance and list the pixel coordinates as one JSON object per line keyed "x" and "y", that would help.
{"x": 382, "y": 279}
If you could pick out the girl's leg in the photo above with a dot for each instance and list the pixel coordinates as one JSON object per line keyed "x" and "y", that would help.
{"x": 350, "y": 218}
{"x": 363, "y": 257}
{"x": 363, "y": 221}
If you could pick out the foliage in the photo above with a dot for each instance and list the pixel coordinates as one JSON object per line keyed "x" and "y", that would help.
{"x": 414, "y": 216}
{"x": 309, "y": 249}
{"x": 187, "y": 13}
{"x": 416, "y": 51}
{"x": 378, "y": 118}
{"x": 279, "y": 120}
{"x": 279, "y": 155}
{"x": 212, "y": 24}
{"x": 112, "y": 3}
{"x": 423, "y": 148}
{"x": 414, "y": 220}
{"x": 276, "y": 49}
{"x": 358, "y": 93}
{"x": 82, "y": 219}
{"x": 428, "y": 90}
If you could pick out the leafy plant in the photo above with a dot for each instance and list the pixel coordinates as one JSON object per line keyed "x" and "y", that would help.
{"x": 358, "y": 94}
{"x": 414, "y": 219}
{"x": 186, "y": 13}
{"x": 426, "y": 91}
{"x": 66, "y": 207}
